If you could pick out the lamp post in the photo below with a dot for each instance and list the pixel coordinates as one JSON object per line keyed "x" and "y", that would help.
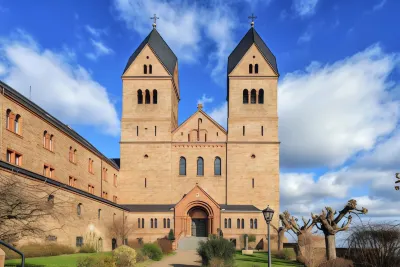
{"x": 268, "y": 214}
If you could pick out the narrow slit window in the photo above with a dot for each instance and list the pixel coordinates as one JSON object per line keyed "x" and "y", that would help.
{"x": 262, "y": 130}
{"x": 155, "y": 96}
{"x": 145, "y": 69}
{"x": 252, "y": 182}
{"x": 244, "y": 130}
{"x": 256, "y": 68}
{"x": 155, "y": 130}
{"x": 150, "y": 69}
{"x": 137, "y": 130}
{"x": 250, "y": 68}
{"x": 145, "y": 182}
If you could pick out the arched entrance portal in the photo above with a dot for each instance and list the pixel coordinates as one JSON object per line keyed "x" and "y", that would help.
{"x": 199, "y": 218}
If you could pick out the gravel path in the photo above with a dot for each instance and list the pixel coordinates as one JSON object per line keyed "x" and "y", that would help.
{"x": 182, "y": 258}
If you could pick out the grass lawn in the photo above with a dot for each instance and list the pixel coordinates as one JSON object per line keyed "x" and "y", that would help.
{"x": 66, "y": 260}
{"x": 260, "y": 259}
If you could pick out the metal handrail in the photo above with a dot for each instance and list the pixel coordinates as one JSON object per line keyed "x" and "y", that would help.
{"x": 15, "y": 250}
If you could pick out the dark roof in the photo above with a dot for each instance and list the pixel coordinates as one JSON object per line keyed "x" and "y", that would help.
{"x": 247, "y": 41}
{"x": 160, "y": 48}
{"x": 117, "y": 162}
{"x": 35, "y": 176}
{"x": 19, "y": 98}
{"x": 239, "y": 208}
{"x": 148, "y": 207}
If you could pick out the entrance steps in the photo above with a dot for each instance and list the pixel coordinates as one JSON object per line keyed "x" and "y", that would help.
{"x": 190, "y": 242}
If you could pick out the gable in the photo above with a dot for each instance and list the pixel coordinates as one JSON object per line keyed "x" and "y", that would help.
{"x": 136, "y": 67}
{"x": 209, "y": 130}
{"x": 197, "y": 195}
{"x": 253, "y": 56}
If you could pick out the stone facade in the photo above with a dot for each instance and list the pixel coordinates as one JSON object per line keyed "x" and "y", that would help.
{"x": 152, "y": 146}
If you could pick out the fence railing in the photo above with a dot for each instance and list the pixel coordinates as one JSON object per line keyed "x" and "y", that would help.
{"x": 16, "y": 251}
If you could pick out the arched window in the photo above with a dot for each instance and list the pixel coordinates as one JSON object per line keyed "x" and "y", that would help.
{"x": 79, "y": 209}
{"x": 253, "y": 98}
{"x": 226, "y": 223}
{"x": 238, "y": 224}
{"x": 250, "y": 68}
{"x": 168, "y": 223}
{"x": 255, "y": 223}
{"x": 44, "y": 138}
{"x": 251, "y": 223}
{"x": 71, "y": 152}
{"x": 150, "y": 69}
{"x": 151, "y": 223}
{"x": 245, "y": 96}
{"x": 145, "y": 69}
{"x": 200, "y": 166}
{"x": 8, "y": 119}
{"x": 99, "y": 214}
{"x": 217, "y": 166}
{"x": 261, "y": 96}
{"x": 154, "y": 96}
{"x": 51, "y": 143}
{"x": 74, "y": 156}
{"x": 16, "y": 123}
{"x": 256, "y": 68}
{"x": 229, "y": 223}
{"x": 165, "y": 223}
{"x": 242, "y": 223}
{"x": 155, "y": 223}
{"x": 182, "y": 166}
{"x": 147, "y": 97}
{"x": 139, "y": 97}
{"x": 142, "y": 222}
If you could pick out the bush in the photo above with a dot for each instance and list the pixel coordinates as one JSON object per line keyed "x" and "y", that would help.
{"x": 140, "y": 256}
{"x": 216, "y": 248}
{"x": 286, "y": 254}
{"x": 165, "y": 245}
{"x": 87, "y": 248}
{"x": 153, "y": 251}
{"x": 124, "y": 256}
{"x": 91, "y": 261}
{"x": 171, "y": 235}
{"x": 338, "y": 262}
{"x": 45, "y": 249}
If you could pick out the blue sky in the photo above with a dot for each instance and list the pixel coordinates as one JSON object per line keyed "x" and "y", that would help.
{"x": 338, "y": 92}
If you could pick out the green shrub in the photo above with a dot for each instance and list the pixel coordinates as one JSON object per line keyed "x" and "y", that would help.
{"x": 87, "y": 248}
{"x": 124, "y": 256}
{"x": 91, "y": 261}
{"x": 140, "y": 256}
{"x": 153, "y": 251}
{"x": 45, "y": 249}
{"x": 286, "y": 254}
{"x": 171, "y": 235}
{"x": 216, "y": 248}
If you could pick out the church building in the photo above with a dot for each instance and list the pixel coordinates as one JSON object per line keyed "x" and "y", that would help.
{"x": 196, "y": 178}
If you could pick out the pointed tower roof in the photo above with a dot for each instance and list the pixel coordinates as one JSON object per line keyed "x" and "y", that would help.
{"x": 247, "y": 41}
{"x": 160, "y": 48}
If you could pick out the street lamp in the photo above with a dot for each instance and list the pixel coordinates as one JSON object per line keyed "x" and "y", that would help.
{"x": 268, "y": 214}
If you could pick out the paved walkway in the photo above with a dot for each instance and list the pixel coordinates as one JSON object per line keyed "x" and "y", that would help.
{"x": 182, "y": 258}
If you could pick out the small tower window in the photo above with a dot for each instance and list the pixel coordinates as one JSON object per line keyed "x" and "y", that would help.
{"x": 217, "y": 166}
{"x": 145, "y": 69}
{"x": 139, "y": 97}
{"x": 261, "y": 96}
{"x": 252, "y": 182}
{"x": 200, "y": 166}
{"x": 150, "y": 69}
{"x": 256, "y": 68}
{"x": 154, "y": 96}
{"x": 250, "y": 68}
{"x": 244, "y": 130}
{"x": 182, "y": 166}
{"x": 145, "y": 182}
{"x": 147, "y": 97}
{"x": 245, "y": 96}
{"x": 253, "y": 96}
{"x": 262, "y": 130}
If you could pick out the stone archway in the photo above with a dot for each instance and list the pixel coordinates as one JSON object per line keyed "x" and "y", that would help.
{"x": 199, "y": 222}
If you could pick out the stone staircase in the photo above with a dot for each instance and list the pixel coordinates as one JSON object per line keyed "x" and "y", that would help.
{"x": 190, "y": 243}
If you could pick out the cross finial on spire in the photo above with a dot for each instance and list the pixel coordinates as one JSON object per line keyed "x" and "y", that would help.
{"x": 252, "y": 17}
{"x": 155, "y": 18}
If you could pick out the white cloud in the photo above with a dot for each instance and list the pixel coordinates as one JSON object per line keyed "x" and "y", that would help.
{"x": 187, "y": 27}
{"x": 204, "y": 100}
{"x": 304, "y": 8}
{"x": 329, "y": 113}
{"x": 379, "y": 5}
{"x": 305, "y": 37}
{"x": 95, "y": 31}
{"x": 220, "y": 114}
{"x": 66, "y": 90}
{"x": 100, "y": 49}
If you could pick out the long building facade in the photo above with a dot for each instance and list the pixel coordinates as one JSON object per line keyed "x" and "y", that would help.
{"x": 196, "y": 178}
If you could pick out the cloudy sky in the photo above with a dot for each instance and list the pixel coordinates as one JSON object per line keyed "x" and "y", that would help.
{"x": 338, "y": 90}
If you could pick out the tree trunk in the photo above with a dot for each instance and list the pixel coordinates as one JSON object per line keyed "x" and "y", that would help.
{"x": 330, "y": 243}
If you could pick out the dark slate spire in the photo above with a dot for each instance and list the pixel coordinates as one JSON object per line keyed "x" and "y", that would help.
{"x": 250, "y": 38}
{"x": 160, "y": 48}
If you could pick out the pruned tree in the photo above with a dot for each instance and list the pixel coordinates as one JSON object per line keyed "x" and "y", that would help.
{"x": 329, "y": 224}
{"x": 24, "y": 207}
{"x": 120, "y": 228}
